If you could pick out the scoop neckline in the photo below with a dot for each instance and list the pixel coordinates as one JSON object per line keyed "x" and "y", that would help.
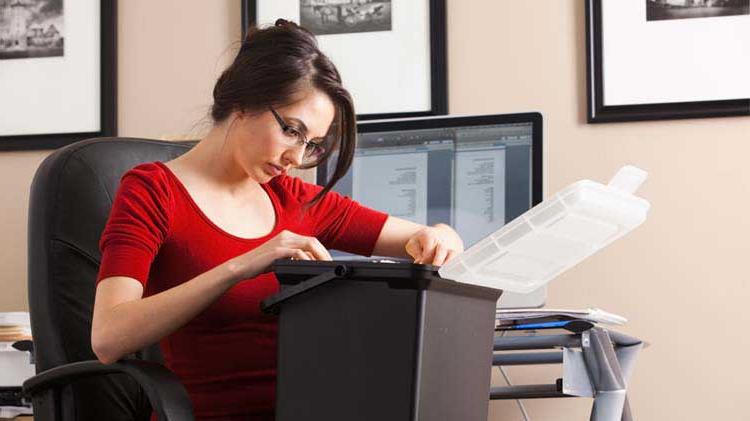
{"x": 199, "y": 211}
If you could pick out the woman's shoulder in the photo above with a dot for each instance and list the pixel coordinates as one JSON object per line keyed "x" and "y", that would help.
{"x": 148, "y": 177}
{"x": 153, "y": 171}
{"x": 295, "y": 187}
{"x": 148, "y": 169}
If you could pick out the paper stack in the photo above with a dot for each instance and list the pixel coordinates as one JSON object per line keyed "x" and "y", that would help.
{"x": 15, "y": 326}
{"x": 15, "y": 365}
{"x": 593, "y": 315}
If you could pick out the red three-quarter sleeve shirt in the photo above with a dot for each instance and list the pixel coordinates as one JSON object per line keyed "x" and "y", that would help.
{"x": 226, "y": 356}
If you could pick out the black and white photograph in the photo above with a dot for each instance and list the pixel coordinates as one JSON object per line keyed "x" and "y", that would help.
{"x": 31, "y": 28}
{"x": 58, "y": 80}
{"x": 688, "y": 9}
{"x": 323, "y": 17}
{"x": 391, "y": 53}
{"x": 642, "y": 70}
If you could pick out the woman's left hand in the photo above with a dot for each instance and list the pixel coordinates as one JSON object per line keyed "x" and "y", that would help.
{"x": 434, "y": 245}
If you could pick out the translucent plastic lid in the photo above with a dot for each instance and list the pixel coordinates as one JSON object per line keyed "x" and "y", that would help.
{"x": 554, "y": 236}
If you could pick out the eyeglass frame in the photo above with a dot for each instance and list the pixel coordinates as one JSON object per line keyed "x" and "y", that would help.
{"x": 301, "y": 138}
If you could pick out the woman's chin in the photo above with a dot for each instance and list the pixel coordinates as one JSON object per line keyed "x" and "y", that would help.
{"x": 264, "y": 176}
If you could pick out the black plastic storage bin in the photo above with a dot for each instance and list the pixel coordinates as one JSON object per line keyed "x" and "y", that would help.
{"x": 381, "y": 341}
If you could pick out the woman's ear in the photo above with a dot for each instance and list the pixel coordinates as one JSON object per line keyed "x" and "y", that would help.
{"x": 238, "y": 119}
{"x": 238, "y": 116}
{"x": 243, "y": 117}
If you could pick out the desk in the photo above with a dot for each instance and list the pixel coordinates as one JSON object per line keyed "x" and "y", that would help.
{"x": 596, "y": 363}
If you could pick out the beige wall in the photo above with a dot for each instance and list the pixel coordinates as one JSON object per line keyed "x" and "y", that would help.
{"x": 673, "y": 277}
{"x": 681, "y": 278}
{"x": 170, "y": 53}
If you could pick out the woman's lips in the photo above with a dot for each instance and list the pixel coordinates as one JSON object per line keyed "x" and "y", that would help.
{"x": 274, "y": 170}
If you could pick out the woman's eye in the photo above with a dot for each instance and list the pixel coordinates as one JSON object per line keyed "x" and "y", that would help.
{"x": 315, "y": 150}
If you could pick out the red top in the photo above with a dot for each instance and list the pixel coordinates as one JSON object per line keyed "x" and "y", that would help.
{"x": 226, "y": 356}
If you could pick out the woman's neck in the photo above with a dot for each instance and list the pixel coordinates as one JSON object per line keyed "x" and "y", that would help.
{"x": 212, "y": 161}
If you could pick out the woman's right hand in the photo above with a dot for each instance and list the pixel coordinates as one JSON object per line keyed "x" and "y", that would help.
{"x": 285, "y": 244}
{"x": 123, "y": 324}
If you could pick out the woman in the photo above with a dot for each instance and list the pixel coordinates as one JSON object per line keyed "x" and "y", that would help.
{"x": 188, "y": 245}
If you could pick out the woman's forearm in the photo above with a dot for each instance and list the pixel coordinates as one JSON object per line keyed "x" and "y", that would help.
{"x": 132, "y": 325}
{"x": 124, "y": 322}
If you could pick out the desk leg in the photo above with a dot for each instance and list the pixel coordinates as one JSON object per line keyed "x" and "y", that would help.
{"x": 605, "y": 374}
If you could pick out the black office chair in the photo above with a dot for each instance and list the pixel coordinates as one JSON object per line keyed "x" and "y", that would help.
{"x": 71, "y": 196}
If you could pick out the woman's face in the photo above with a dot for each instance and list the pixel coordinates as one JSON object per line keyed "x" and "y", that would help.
{"x": 264, "y": 150}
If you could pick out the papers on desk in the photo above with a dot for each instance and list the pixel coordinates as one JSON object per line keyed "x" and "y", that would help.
{"x": 15, "y": 326}
{"x": 594, "y": 315}
{"x": 15, "y": 365}
{"x": 11, "y": 412}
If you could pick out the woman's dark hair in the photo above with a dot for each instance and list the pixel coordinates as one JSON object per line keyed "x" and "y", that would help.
{"x": 273, "y": 65}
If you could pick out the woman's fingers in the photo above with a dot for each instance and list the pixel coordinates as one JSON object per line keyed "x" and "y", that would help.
{"x": 451, "y": 254}
{"x": 300, "y": 254}
{"x": 313, "y": 248}
{"x": 441, "y": 252}
{"x": 429, "y": 244}
{"x": 317, "y": 250}
{"x": 310, "y": 245}
{"x": 414, "y": 249}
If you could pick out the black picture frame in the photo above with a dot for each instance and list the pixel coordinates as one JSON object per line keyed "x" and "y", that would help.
{"x": 108, "y": 96}
{"x": 599, "y": 112}
{"x": 438, "y": 60}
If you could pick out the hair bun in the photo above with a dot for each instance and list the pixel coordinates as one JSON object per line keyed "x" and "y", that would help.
{"x": 283, "y": 22}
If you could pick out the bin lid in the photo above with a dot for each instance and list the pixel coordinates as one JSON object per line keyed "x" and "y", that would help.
{"x": 290, "y": 272}
{"x": 552, "y": 237}
{"x": 300, "y": 276}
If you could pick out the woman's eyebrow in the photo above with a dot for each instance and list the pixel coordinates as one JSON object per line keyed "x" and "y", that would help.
{"x": 301, "y": 123}
{"x": 303, "y": 127}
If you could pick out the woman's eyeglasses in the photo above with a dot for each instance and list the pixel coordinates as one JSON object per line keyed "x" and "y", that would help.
{"x": 313, "y": 151}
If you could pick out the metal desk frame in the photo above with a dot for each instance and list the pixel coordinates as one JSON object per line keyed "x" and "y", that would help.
{"x": 596, "y": 363}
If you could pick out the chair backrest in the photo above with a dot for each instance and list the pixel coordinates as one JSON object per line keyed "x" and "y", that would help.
{"x": 71, "y": 196}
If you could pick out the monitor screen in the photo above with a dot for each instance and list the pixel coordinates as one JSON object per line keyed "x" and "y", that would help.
{"x": 473, "y": 173}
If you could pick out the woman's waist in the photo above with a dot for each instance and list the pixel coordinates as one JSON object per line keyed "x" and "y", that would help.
{"x": 225, "y": 352}
{"x": 242, "y": 393}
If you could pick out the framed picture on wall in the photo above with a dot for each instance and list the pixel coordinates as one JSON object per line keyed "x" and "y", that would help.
{"x": 57, "y": 72}
{"x": 667, "y": 59}
{"x": 390, "y": 53}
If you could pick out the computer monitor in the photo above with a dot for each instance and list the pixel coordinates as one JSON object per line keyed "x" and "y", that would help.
{"x": 474, "y": 173}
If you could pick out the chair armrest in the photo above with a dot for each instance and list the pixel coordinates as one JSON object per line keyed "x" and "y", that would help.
{"x": 167, "y": 395}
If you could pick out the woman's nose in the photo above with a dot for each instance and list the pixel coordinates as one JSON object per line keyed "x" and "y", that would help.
{"x": 294, "y": 155}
